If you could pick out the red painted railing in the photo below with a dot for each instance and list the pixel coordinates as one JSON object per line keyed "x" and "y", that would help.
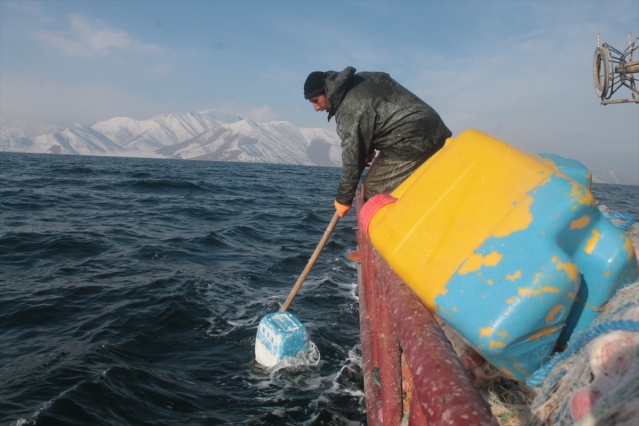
{"x": 410, "y": 368}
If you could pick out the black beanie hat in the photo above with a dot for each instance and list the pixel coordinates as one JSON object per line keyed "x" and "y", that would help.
{"x": 314, "y": 85}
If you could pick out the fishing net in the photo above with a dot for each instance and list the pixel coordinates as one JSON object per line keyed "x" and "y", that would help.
{"x": 595, "y": 381}
{"x": 598, "y": 384}
{"x": 509, "y": 399}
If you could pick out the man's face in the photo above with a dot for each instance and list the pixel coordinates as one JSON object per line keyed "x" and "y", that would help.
{"x": 320, "y": 103}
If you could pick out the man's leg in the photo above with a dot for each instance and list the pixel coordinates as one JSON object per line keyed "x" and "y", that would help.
{"x": 385, "y": 175}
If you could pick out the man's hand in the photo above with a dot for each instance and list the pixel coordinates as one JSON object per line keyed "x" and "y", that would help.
{"x": 341, "y": 208}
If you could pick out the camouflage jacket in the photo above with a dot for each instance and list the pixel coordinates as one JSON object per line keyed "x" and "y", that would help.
{"x": 374, "y": 112}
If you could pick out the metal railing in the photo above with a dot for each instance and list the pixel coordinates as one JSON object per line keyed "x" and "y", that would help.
{"x": 411, "y": 371}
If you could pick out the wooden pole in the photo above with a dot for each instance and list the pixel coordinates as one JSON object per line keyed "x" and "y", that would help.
{"x": 311, "y": 262}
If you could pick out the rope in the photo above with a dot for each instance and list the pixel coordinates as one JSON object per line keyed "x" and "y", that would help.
{"x": 405, "y": 419}
{"x": 375, "y": 372}
{"x": 538, "y": 377}
{"x": 628, "y": 219}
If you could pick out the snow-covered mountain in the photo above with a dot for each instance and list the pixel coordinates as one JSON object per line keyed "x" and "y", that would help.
{"x": 155, "y": 133}
{"x": 248, "y": 141}
{"x": 21, "y": 128}
{"x": 203, "y": 135}
{"x": 15, "y": 134}
{"x": 206, "y": 135}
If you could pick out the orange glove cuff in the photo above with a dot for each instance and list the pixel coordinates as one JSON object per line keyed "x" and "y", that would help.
{"x": 341, "y": 208}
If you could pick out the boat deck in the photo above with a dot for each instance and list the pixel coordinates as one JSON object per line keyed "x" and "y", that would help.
{"x": 417, "y": 372}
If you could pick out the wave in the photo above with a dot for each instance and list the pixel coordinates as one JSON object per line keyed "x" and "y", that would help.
{"x": 162, "y": 185}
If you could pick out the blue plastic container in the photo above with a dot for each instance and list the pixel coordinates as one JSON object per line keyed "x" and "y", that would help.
{"x": 279, "y": 335}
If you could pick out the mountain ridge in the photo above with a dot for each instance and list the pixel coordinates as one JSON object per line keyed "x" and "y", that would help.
{"x": 208, "y": 135}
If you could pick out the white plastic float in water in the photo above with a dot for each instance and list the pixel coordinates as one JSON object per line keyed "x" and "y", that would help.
{"x": 280, "y": 334}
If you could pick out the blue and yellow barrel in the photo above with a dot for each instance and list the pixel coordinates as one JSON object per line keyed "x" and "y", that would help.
{"x": 508, "y": 248}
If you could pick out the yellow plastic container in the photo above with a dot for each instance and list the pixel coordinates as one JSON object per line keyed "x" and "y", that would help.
{"x": 509, "y": 248}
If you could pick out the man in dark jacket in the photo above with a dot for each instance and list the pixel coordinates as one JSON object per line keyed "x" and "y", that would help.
{"x": 375, "y": 113}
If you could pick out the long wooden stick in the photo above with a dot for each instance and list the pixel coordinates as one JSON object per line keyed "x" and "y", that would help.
{"x": 311, "y": 262}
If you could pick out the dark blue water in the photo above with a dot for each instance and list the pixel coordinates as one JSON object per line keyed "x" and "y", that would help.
{"x": 131, "y": 291}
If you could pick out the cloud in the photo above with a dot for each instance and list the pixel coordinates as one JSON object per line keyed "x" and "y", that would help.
{"x": 31, "y": 9}
{"x": 90, "y": 37}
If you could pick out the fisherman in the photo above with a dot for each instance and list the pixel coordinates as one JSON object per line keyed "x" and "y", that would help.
{"x": 375, "y": 113}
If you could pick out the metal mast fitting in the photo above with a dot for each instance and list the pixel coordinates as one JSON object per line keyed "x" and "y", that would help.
{"x": 613, "y": 69}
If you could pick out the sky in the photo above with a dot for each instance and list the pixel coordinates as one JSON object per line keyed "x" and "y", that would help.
{"x": 521, "y": 71}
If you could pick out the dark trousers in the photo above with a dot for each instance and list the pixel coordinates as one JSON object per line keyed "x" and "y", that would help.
{"x": 385, "y": 175}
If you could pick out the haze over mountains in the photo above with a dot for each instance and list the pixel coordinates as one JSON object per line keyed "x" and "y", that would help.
{"x": 205, "y": 135}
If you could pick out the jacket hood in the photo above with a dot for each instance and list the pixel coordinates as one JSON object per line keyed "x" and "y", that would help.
{"x": 337, "y": 85}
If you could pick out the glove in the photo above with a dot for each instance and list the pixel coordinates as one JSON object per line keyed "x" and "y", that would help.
{"x": 341, "y": 208}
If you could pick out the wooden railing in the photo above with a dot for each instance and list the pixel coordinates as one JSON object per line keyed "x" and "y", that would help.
{"x": 411, "y": 371}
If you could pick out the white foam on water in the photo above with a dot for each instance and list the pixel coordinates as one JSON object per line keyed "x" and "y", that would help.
{"x": 354, "y": 361}
{"x": 348, "y": 289}
{"x": 44, "y": 407}
{"x": 309, "y": 358}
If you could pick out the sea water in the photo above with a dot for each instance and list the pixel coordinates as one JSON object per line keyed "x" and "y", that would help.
{"x": 131, "y": 291}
